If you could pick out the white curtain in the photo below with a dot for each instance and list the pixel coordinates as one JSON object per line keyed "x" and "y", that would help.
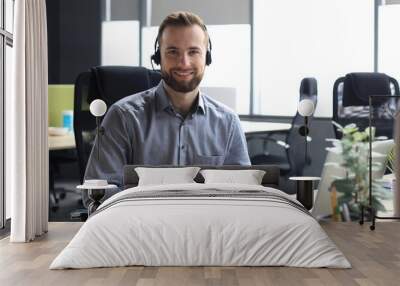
{"x": 26, "y": 124}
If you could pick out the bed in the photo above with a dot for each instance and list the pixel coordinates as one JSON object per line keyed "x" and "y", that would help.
{"x": 201, "y": 224}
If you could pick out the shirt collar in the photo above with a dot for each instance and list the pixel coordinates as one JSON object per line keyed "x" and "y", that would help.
{"x": 164, "y": 103}
{"x": 200, "y": 104}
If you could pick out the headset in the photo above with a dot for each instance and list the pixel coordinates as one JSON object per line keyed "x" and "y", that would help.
{"x": 156, "y": 57}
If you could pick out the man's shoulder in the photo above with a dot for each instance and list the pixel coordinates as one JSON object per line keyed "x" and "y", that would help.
{"x": 137, "y": 102}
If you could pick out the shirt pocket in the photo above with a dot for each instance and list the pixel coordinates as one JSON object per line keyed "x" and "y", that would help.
{"x": 208, "y": 160}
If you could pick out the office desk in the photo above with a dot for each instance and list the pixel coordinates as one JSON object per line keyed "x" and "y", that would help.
{"x": 56, "y": 143}
{"x": 61, "y": 142}
{"x": 249, "y": 128}
{"x": 260, "y": 127}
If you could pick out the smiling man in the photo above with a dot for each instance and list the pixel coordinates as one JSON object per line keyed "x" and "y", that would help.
{"x": 173, "y": 123}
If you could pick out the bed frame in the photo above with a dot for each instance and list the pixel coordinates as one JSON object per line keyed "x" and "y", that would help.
{"x": 270, "y": 179}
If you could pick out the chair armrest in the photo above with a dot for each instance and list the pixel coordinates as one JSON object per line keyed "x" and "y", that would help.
{"x": 282, "y": 143}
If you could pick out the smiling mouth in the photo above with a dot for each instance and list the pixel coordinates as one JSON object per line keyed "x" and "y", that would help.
{"x": 183, "y": 74}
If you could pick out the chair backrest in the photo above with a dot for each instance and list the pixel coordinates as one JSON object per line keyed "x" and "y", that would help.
{"x": 296, "y": 152}
{"x": 309, "y": 89}
{"x": 350, "y": 101}
{"x": 109, "y": 83}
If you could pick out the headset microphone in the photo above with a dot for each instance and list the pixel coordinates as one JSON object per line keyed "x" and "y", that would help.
{"x": 151, "y": 62}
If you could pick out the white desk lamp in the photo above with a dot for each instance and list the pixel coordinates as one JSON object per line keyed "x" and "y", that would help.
{"x": 305, "y": 108}
{"x": 98, "y": 108}
{"x": 305, "y": 184}
{"x": 96, "y": 188}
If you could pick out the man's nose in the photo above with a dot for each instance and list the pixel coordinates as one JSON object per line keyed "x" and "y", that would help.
{"x": 184, "y": 59}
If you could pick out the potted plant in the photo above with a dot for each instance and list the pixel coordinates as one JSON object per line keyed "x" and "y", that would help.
{"x": 353, "y": 189}
{"x": 391, "y": 158}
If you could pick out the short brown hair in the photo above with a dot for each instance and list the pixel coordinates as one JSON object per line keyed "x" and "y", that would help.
{"x": 181, "y": 19}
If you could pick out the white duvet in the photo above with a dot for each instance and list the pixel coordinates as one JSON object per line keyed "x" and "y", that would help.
{"x": 183, "y": 231}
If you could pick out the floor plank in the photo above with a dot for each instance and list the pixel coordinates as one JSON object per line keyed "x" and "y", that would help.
{"x": 374, "y": 255}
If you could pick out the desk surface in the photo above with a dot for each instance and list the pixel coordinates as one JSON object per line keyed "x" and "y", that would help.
{"x": 251, "y": 127}
{"x": 61, "y": 142}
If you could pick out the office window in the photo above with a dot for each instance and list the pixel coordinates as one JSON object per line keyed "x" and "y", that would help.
{"x": 2, "y": 194}
{"x": 388, "y": 41}
{"x": 9, "y": 12}
{"x": 309, "y": 38}
{"x": 230, "y": 59}
{"x": 8, "y": 70}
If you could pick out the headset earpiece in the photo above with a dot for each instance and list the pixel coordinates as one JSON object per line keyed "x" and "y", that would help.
{"x": 208, "y": 53}
{"x": 156, "y": 57}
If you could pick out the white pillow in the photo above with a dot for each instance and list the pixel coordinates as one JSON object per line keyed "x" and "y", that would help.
{"x": 248, "y": 177}
{"x": 163, "y": 176}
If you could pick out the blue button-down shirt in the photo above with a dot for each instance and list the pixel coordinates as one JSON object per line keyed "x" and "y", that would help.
{"x": 144, "y": 129}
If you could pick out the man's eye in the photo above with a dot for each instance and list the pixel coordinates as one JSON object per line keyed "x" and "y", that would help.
{"x": 172, "y": 52}
{"x": 194, "y": 52}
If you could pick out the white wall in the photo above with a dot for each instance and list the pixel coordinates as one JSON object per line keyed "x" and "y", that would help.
{"x": 389, "y": 43}
{"x": 120, "y": 43}
{"x": 308, "y": 38}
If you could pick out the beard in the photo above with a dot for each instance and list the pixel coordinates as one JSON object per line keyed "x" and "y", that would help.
{"x": 181, "y": 86}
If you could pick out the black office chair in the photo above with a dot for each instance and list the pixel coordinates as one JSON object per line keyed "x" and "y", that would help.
{"x": 351, "y": 99}
{"x": 293, "y": 161}
{"x": 109, "y": 83}
{"x": 56, "y": 159}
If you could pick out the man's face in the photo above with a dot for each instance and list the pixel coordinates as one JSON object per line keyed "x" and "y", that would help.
{"x": 183, "y": 52}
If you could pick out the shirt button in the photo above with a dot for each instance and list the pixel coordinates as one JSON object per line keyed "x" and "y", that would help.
{"x": 182, "y": 147}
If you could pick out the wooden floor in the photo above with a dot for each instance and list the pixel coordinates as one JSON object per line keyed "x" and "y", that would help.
{"x": 375, "y": 257}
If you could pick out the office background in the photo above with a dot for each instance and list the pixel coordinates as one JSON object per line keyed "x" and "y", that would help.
{"x": 263, "y": 48}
